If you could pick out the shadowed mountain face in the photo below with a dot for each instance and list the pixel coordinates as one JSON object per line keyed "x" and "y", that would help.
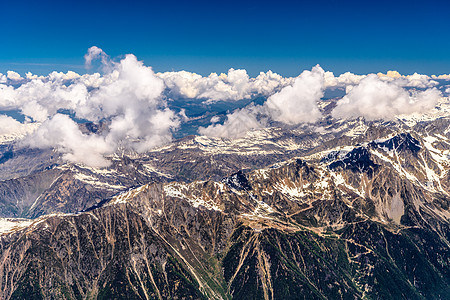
{"x": 360, "y": 210}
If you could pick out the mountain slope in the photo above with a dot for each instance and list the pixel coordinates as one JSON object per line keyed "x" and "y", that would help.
{"x": 364, "y": 221}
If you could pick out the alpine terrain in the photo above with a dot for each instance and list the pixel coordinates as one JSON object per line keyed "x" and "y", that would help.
{"x": 357, "y": 210}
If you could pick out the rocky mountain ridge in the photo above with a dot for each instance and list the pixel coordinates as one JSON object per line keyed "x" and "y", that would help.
{"x": 353, "y": 216}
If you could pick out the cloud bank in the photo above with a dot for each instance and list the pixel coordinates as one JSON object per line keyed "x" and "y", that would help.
{"x": 298, "y": 103}
{"x": 233, "y": 86}
{"x": 128, "y": 97}
{"x": 10, "y": 126}
{"x": 132, "y": 101}
{"x": 373, "y": 98}
{"x": 441, "y": 77}
{"x": 237, "y": 123}
{"x": 237, "y": 85}
{"x": 292, "y": 105}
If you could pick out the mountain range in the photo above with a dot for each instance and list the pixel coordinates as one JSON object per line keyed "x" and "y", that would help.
{"x": 340, "y": 209}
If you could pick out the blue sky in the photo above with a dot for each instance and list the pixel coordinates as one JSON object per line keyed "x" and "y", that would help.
{"x": 213, "y": 36}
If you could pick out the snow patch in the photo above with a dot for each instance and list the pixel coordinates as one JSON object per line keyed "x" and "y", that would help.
{"x": 91, "y": 180}
{"x": 178, "y": 190}
{"x": 8, "y": 225}
{"x": 126, "y": 196}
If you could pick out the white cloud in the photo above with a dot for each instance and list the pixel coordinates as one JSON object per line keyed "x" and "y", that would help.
{"x": 298, "y": 103}
{"x": 40, "y": 99}
{"x": 215, "y": 119}
{"x": 447, "y": 90}
{"x": 95, "y": 53}
{"x": 63, "y": 134}
{"x": 3, "y": 78}
{"x": 128, "y": 96}
{"x": 420, "y": 81}
{"x": 375, "y": 99}
{"x": 14, "y": 76}
{"x": 92, "y": 80}
{"x": 237, "y": 85}
{"x": 237, "y": 123}
{"x": 349, "y": 79}
{"x": 342, "y": 80}
{"x": 442, "y": 77}
{"x": 70, "y": 75}
{"x": 292, "y": 105}
{"x": 269, "y": 82}
{"x": 9, "y": 125}
{"x": 415, "y": 80}
{"x": 7, "y": 97}
{"x": 31, "y": 76}
{"x": 233, "y": 86}
{"x": 390, "y": 74}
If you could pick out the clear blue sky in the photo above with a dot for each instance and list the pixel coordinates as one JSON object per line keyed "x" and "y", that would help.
{"x": 212, "y": 36}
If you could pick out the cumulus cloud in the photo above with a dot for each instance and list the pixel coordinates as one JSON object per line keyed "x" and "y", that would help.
{"x": 7, "y": 97}
{"x": 292, "y": 105}
{"x": 215, "y": 119}
{"x": 14, "y": 76}
{"x": 415, "y": 80}
{"x": 442, "y": 77}
{"x": 298, "y": 103}
{"x": 348, "y": 79}
{"x": 95, "y": 53}
{"x": 9, "y": 126}
{"x": 447, "y": 90}
{"x": 40, "y": 99}
{"x": 235, "y": 85}
{"x": 127, "y": 96}
{"x": 63, "y": 134}
{"x": 31, "y": 76}
{"x": 3, "y": 78}
{"x": 130, "y": 98}
{"x": 237, "y": 123}
{"x": 342, "y": 80}
{"x": 375, "y": 99}
{"x": 390, "y": 74}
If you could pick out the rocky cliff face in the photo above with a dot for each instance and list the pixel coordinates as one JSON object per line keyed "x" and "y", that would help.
{"x": 359, "y": 213}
